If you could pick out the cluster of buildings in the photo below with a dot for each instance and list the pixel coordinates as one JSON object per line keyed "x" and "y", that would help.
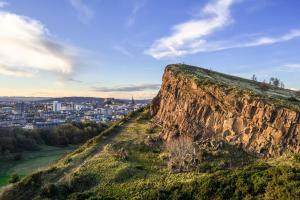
{"x": 48, "y": 114}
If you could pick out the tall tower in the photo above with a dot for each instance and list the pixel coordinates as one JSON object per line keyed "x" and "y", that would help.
{"x": 132, "y": 101}
{"x": 56, "y": 106}
{"x": 20, "y": 107}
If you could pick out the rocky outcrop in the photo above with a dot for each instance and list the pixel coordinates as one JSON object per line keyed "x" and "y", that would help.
{"x": 202, "y": 111}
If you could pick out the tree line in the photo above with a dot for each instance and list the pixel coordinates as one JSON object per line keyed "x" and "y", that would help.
{"x": 15, "y": 140}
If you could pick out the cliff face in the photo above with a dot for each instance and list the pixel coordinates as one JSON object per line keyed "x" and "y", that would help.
{"x": 185, "y": 106}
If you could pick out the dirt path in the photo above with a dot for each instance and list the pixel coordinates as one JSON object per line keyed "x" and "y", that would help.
{"x": 97, "y": 149}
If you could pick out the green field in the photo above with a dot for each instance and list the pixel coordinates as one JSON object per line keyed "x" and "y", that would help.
{"x": 31, "y": 162}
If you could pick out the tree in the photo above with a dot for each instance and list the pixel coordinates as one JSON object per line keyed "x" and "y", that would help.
{"x": 275, "y": 81}
{"x": 282, "y": 85}
{"x": 254, "y": 78}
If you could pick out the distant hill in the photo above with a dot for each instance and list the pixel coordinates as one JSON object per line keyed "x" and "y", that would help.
{"x": 75, "y": 99}
{"x": 70, "y": 99}
{"x": 22, "y": 98}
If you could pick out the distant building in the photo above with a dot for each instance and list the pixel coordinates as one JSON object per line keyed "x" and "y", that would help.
{"x": 78, "y": 107}
{"x": 56, "y": 106}
{"x": 20, "y": 107}
{"x": 132, "y": 101}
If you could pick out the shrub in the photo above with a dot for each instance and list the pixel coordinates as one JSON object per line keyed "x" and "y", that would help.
{"x": 121, "y": 154}
{"x": 264, "y": 86}
{"x": 183, "y": 156}
{"x": 49, "y": 190}
{"x": 151, "y": 129}
{"x": 293, "y": 99}
{"x": 129, "y": 173}
{"x": 79, "y": 183}
{"x": 14, "y": 178}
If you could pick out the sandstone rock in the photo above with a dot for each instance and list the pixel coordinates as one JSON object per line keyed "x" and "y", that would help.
{"x": 209, "y": 111}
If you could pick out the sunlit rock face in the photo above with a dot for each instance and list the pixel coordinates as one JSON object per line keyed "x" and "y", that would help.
{"x": 185, "y": 107}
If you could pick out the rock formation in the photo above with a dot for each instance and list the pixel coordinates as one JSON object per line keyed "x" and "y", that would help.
{"x": 205, "y": 104}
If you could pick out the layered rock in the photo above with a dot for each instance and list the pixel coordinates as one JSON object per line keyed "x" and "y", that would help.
{"x": 183, "y": 106}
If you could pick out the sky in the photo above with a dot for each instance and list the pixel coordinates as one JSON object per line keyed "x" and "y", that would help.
{"x": 119, "y": 48}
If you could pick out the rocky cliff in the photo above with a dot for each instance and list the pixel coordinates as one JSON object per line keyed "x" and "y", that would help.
{"x": 204, "y": 104}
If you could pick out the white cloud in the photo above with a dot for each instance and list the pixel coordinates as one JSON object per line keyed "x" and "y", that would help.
{"x": 26, "y": 48}
{"x": 85, "y": 13}
{"x": 294, "y": 89}
{"x": 295, "y": 67}
{"x": 3, "y": 3}
{"x": 191, "y": 37}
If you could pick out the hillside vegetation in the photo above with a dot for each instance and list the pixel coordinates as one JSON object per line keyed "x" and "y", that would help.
{"x": 276, "y": 95}
{"x": 130, "y": 161}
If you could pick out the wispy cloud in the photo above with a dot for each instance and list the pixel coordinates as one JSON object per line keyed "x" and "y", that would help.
{"x": 295, "y": 67}
{"x": 137, "y": 6}
{"x": 3, "y": 3}
{"x": 10, "y": 71}
{"x": 26, "y": 47}
{"x": 85, "y": 13}
{"x": 123, "y": 50}
{"x": 192, "y": 36}
{"x": 130, "y": 88}
{"x": 252, "y": 42}
{"x": 74, "y": 80}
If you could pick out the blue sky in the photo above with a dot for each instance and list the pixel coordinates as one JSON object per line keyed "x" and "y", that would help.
{"x": 119, "y": 48}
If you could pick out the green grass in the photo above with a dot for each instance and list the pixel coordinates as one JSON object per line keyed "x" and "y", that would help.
{"x": 31, "y": 161}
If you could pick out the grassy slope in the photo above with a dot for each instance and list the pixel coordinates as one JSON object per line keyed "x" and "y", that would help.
{"x": 96, "y": 173}
{"x": 277, "y": 96}
{"x": 31, "y": 161}
{"x": 144, "y": 175}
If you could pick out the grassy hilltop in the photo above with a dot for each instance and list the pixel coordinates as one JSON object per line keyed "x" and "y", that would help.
{"x": 275, "y": 95}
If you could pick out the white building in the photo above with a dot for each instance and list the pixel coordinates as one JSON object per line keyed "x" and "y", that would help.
{"x": 56, "y": 106}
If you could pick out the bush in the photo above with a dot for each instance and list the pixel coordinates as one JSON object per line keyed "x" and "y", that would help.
{"x": 121, "y": 154}
{"x": 49, "y": 190}
{"x": 79, "y": 183}
{"x": 183, "y": 156}
{"x": 293, "y": 99}
{"x": 264, "y": 86}
{"x": 129, "y": 173}
{"x": 14, "y": 178}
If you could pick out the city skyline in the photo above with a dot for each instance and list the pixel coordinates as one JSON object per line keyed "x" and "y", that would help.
{"x": 120, "y": 48}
